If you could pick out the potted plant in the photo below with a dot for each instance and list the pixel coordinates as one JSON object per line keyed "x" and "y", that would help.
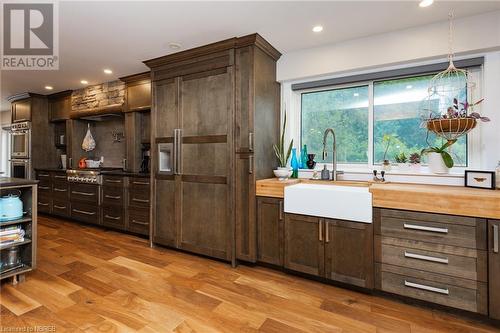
{"x": 415, "y": 160}
{"x": 401, "y": 159}
{"x": 282, "y": 172}
{"x": 386, "y": 140}
{"x": 440, "y": 161}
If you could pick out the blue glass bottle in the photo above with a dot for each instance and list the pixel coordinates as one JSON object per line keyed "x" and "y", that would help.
{"x": 294, "y": 164}
{"x": 303, "y": 157}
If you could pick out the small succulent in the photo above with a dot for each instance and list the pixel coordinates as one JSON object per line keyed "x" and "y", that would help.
{"x": 401, "y": 158}
{"x": 415, "y": 158}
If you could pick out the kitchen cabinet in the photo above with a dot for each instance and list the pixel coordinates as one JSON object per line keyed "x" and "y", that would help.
{"x": 217, "y": 108}
{"x": 305, "y": 244}
{"x": 494, "y": 268}
{"x": 60, "y": 106}
{"x": 21, "y": 110}
{"x": 270, "y": 231}
{"x": 349, "y": 252}
{"x": 137, "y": 92}
{"x": 139, "y": 190}
{"x": 113, "y": 201}
{"x": 53, "y": 192}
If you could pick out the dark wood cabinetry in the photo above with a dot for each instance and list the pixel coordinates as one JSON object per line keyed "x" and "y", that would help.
{"x": 21, "y": 110}
{"x": 60, "y": 106}
{"x": 53, "y": 193}
{"x": 494, "y": 268}
{"x": 137, "y": 92}
{"x": 113, "y": 201}
{"x": 207, "y": 104}
{"x": 270, "y": 231}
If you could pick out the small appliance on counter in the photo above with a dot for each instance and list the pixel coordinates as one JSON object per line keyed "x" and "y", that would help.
{"x": 145, "y": 161}
{"x": 11, "y": 207}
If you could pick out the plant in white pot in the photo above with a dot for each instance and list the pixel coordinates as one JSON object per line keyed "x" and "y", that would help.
{"x": 282, "y": 172}
{"x": 440, "y": 161}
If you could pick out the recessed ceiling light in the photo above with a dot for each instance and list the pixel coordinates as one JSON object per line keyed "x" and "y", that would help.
{"x": 318, "y": 28}
{"x": 108, "y": 71}
{"x": 409, "y": 86}
{"x": 426, "y": 3}
{"x": 174, "y": 46}
{"x": 84, "y": 82}
{"x": 356, "y": 94}
{"x": 49, "y": 87}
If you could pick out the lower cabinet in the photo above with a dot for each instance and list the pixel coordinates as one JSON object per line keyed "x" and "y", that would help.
{"x": 335, "y": 249}
{"x": 270, "y": 231}
{"x": 494, "y": 268}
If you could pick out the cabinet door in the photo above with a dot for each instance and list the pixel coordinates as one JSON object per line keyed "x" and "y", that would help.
{"x": 21, "y": 110}
{"x": 246, "y": 225}
{"x": 206, "y": 163}
{"x": 494, "y": 267}
{"x": 270, "y": 224}
{"x": 165, "y": 226}
{"x": 304, "y": 244}
{"x": 349, "y": 252}
{"x": 139, "y": 96}
{"x": 60, "y": 108}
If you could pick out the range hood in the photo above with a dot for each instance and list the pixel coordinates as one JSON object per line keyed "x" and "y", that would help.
{"x": 99, "y": 113}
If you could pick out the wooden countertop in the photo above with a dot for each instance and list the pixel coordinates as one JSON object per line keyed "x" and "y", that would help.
{"x": 454, "y": 200}
{"x": 11, "y": 182}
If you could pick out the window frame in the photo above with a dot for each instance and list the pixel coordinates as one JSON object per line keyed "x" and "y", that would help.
{"x": 473, "y": 138}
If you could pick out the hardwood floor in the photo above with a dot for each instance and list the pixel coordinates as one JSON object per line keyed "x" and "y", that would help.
{"x": 92, "y": 280}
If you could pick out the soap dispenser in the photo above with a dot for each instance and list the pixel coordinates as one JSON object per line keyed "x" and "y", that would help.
{"x": 325, "y": 173}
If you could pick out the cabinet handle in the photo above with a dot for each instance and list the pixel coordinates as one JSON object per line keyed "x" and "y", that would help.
{"x": 327, "y": 237}
{"x": 59, "y": 207}
{"x": 70, "y": 163}
{"x": 124, "y": 164}
{"x": 426, "y": 258}
{"x": 428, "y": 288}
{"x": 43, "y": 187}
{"x": 83, "y": 212}
{"x": 112, "y": 196}
{"x": 139, "y": 222}
{"x": 60, "y": 177}
{"x": 250, "y": 141}
{"x": 113, "y": 181}
{"x": 43, "y": 204}
{"x": 281, "y": 210}
{"x": 140, "y": 183}
{"x": 112, "y": 217}
{"x": 424, "y": 228}
{"x": 60, "y": 189}
{"x": 320, "y": 230}
{"x": 43, "y": 175}
{"x": 495, "y": 238}
{"x": 140, "y": 200}
{"x": 250, "y": 164}
{"x": 83, "y": 193}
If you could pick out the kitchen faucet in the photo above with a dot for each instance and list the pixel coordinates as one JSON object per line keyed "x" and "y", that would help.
{"x": 334, "y": 172}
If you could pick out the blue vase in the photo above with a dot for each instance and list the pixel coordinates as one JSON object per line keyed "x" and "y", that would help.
{"x": 303, "y": 157}
{"x": 294, "y": 164}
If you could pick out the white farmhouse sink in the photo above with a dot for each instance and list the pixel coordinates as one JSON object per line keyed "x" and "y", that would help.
{"x": 331, "y": 201}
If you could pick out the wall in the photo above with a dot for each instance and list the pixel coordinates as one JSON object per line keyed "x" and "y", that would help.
{"x": 473, "y": 36}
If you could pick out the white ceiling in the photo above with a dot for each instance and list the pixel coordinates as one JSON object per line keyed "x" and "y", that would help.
{"x": 121, "y": 34}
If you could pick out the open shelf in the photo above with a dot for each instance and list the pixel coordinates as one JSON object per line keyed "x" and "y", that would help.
{"x": 7, "y": 246}
{"x": 20, "y": 270}
{"x": 23, "y": 219}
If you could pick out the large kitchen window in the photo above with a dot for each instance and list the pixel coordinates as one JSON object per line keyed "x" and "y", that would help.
{"x": 361, "y": 114}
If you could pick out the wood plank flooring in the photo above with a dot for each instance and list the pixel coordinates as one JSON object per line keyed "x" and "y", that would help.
{"x": 92, "y": 280}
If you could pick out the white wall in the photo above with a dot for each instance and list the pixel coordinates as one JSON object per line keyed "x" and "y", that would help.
{"x": 473, "y": 36}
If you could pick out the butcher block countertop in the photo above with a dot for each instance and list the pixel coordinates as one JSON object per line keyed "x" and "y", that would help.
{"x": 453, "y": 200}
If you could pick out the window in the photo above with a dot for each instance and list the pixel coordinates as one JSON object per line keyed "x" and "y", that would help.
{"x": 394, "y": 107}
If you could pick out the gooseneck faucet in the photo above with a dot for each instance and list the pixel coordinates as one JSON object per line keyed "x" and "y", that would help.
{"x": 334, "y": 172}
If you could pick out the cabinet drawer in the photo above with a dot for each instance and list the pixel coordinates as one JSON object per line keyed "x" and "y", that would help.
{"x": 43, "y": 175}
{"x": 60, "y": 208}
{"x": 112, "y": 181}
{"x": 60, "y": 176}
{"x": 85, "y": 212}
{"x": 112, "y": 195}
{"x": 113, "y": 216}
{"x": 434, "y": 228}
{"x": 454, "y": 292}
{"x": 139, "y": 182}
{"x": 139, "y": 197}
{"x": 436, "y": 262}
{"x": 60, "y": 190}
{"x": 44, "y": 203}
{"x": 84, "y": 192}
{"x": 44, "y": 187}
{"x": 138, "y": 220}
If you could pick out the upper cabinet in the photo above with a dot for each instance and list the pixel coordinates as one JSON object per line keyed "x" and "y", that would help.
{"x": 138, "y": 92}
{"x": 21, "y": 110}
{"x": 60, "y": 106}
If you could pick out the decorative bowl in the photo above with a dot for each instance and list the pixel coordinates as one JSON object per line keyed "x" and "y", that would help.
{"x": 282, "y": 173}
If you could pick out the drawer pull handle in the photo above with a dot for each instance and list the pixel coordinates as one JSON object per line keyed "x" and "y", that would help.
{"x": 43, "y": 204}
{"x": 112, "y": 196}
{"x": 140, "y": 183}
{"x": 60, "y": 177}
{"x": 428, "y": 288}
{"x": 83, "y": 193}
{"x": 43, "y": 175}
{"x": 426, "y": 258}
{"x": 424, "y": 228}
{"x": 113, "y": 181}
{"x": 60, "y": 189}
{"x": 320, "y": 236}
{"x": 140, "y": 200}
{"x": 112, "y": 217}
{"x": 59, "y": 207}
{"x": 139, "y": 222}
{"x": 44, "y": 187}
{"x": 281, "y": 210}
{"x": 83, "y": 212}
{"x": 495, "y": 238}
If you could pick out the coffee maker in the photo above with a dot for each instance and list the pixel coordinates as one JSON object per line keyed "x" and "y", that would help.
{"x": 145, "y": 160}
